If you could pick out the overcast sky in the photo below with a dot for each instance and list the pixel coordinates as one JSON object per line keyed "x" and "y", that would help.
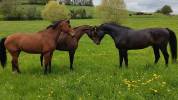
{"x": 148, "y": 5}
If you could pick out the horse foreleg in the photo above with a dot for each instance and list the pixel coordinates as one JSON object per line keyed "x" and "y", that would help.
{"x": 41, "y": 60}
{"x": 121, "y": 57}
{"x": 47, "y": 59}
{"x": 156, "y": 53}
{"x": 50, "y": 62}
{"x": 126, "y": 58}
{"x": 71, "y": 55}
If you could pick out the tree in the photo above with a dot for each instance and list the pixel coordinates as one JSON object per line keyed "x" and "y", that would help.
{"x": 112, "y": 11}
{"x": 8, "y": 8}
{"x": 166, "y": 10}
{"x": 54, "y": 11}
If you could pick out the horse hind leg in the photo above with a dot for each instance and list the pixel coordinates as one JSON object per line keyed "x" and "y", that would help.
{"x": 165, "y": 54}
{"x": 15, "y": 67}
{"x": 156, "y": 53}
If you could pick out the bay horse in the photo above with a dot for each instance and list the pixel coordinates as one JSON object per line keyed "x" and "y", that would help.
{"x": 43, "y": 42}
{"x": 67, "y": 43}
{"x": 126, "y": 39}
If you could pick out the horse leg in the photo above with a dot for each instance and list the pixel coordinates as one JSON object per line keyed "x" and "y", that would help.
{"x": 41, "y": 59}
{"x": 50, "y": 62}
{"x": 46, "y": 62}
{"x": 121, "y": 57}
{"x": 126, "y": 58}
{"x": 71, "y": 55}
{"x": 165, "y": 53}
{"x": 14, "y": 61}
{"x": 156, "y": 53}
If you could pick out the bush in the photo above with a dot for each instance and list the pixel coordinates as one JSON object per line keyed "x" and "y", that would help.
{"x": 80, "y": 14}
{"x": 38, "y": 1}
{"x": 11, "y": 11}
{"x": 112, "y": 11}
{"x": 54, "y": 11}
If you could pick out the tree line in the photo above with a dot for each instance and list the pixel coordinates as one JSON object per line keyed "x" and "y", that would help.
{"x": 77, "y": 2}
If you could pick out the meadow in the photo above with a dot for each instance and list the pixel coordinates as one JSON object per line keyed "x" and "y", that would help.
{"x": 96, "y": 74}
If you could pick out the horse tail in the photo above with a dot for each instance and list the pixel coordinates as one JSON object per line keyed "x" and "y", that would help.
{"x": 173, "y": 44}
{"x": 3, "y": 56}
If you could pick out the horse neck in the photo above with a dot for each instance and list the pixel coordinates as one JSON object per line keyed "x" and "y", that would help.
{"x": 80, "y": 31}
{"x": 115, "y": 31}
{"x": 111, "y": 31}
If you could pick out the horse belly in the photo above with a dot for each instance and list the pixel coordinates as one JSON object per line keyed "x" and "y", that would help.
{"x": 31, "y": 46}
{"x": 140, "y": 44}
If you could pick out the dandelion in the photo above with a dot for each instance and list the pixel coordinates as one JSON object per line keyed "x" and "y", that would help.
{"x": 164, "y": 83}
{"x": 154, "y": 75}
{"x": 154, "y": 90}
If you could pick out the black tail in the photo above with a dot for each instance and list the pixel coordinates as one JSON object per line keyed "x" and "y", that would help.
{"x": 173, "y": 44}
{"x": 3, "y": 56}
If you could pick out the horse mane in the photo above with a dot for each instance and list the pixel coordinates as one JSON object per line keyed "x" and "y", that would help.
{"x": 82, "y": 26}
{"x": 54, "y": 25}
{"x": 117, "y": 25}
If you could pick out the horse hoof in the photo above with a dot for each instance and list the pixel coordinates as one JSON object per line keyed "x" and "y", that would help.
{"x": 15, "y": 72}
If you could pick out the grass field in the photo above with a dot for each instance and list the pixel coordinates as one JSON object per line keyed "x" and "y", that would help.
{"x": 96, "y": 75}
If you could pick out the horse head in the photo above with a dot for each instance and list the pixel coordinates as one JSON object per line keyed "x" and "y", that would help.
{"x": 63, "y": 26}
{"x": 97, "y": 34}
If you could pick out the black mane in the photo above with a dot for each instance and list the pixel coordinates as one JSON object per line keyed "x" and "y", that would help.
{"x": 117, "y": 25}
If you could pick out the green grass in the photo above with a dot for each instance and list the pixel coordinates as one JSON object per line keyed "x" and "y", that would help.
{"x": 96, "y": 74}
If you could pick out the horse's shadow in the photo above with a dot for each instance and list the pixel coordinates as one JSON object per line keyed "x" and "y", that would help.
{"x": 56, "y": 70}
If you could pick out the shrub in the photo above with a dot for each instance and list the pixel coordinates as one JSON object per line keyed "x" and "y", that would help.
{"x": 112, "y": 11}
{"x": 38, "y": 1}
{"x": 54, "y": 11}
{"x": 80, "y": 14}
{"x": 11, "y": 11}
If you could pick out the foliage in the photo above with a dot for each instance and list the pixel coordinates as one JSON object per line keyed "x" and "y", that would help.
{"x": 80, "y": 14}
{"x": 166, "y": 10}
{"x": 82, "y": 2}
{"x": 38, "y": 1}
{"x": 112, "y": 11}
{"x": 54, "y": 11}
{"x": 12, "y": 11}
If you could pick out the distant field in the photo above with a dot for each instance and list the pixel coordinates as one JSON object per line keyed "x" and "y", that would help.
{"x": 96, "y": 74}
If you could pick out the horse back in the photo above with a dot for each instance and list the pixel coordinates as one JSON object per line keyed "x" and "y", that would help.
{"x": 26, "y": 42}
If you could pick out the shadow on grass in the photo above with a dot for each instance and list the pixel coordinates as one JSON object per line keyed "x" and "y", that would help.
{"x": 56, "y": 70}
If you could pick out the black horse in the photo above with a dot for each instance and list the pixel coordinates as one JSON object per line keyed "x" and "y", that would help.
{"x": 128, "y": 39}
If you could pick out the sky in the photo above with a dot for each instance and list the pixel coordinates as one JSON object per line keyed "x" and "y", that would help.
{"x": 147, "y": 5}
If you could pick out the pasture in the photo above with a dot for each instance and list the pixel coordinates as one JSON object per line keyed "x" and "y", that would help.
{"x": 96, "y": 72}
